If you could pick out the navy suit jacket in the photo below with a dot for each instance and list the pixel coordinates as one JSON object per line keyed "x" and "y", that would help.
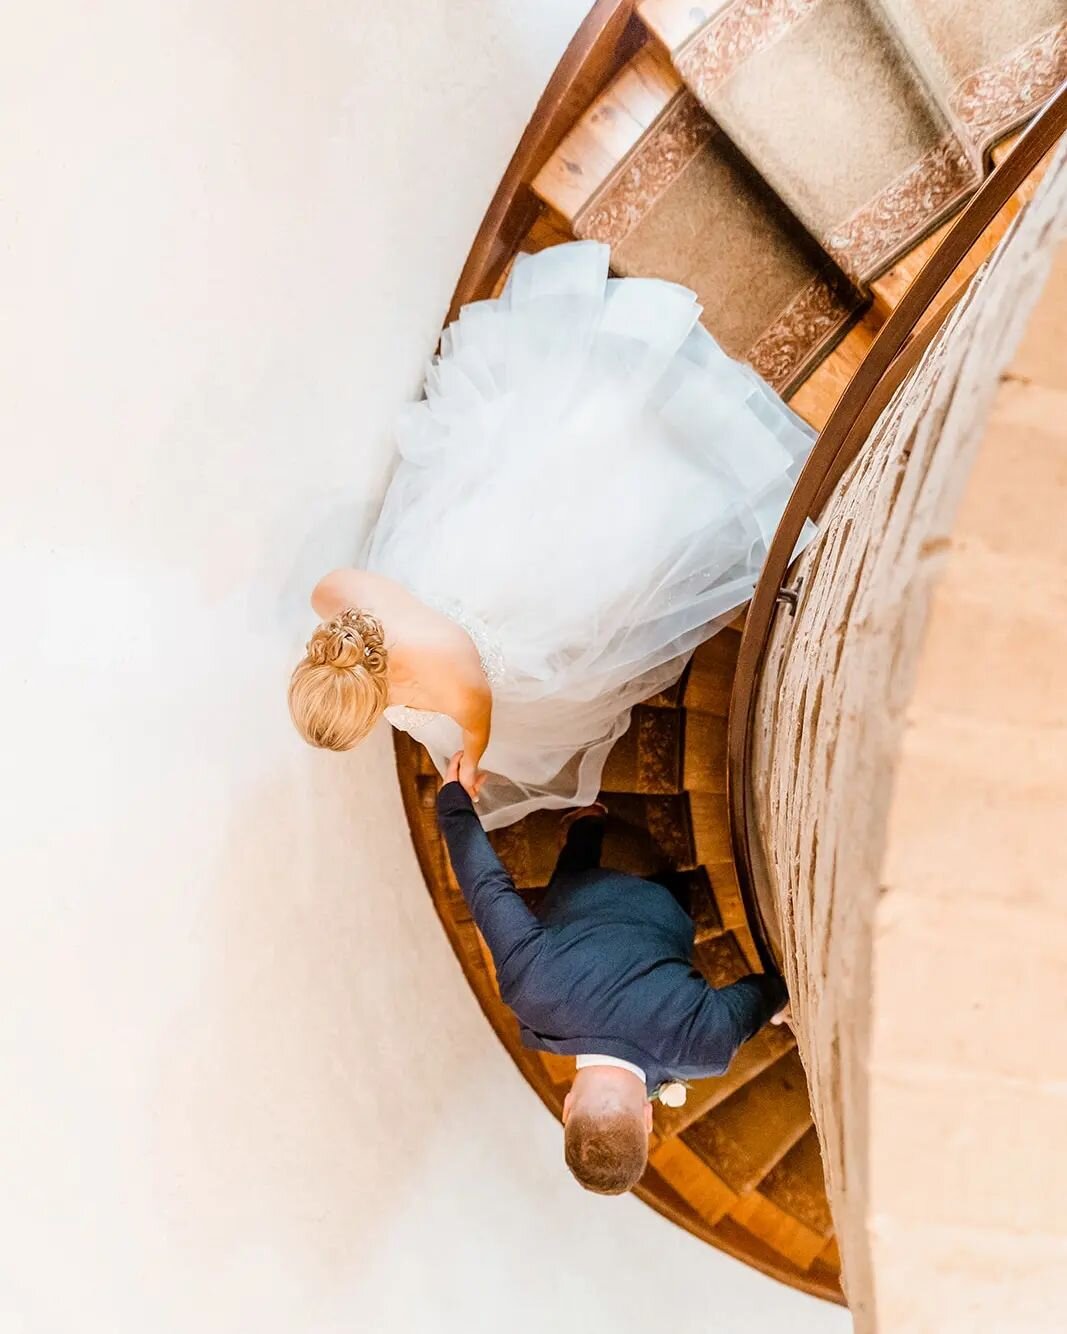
{"x": 605, "y": 966}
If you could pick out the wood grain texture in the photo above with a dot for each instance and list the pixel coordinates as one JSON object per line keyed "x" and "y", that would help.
{"x": 611, "y": 127}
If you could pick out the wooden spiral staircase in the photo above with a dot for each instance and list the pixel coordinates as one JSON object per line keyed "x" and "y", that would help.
{"x": 622, "y": 150}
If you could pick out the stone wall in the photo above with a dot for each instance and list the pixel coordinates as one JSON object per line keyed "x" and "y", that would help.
{"x": 909, "y": 741}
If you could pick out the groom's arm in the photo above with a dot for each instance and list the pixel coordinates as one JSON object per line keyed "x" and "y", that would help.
{"x": 730, "y": 1016}
{"x": 511, "y": 931}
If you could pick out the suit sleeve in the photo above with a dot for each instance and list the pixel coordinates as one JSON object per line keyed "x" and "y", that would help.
{"x": 511, "y": 931}
{"x": 731, "y": 1015}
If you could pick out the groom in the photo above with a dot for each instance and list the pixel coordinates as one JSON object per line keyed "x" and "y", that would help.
{"x": 603, "y": 972}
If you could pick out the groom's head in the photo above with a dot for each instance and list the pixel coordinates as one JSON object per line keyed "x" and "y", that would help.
{"x": 607, "y": 1118}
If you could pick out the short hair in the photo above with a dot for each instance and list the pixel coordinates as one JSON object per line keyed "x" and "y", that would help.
{"x": 606, "y": 1153}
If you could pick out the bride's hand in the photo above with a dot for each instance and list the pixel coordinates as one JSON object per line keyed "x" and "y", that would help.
{"x": 469, "y": 775}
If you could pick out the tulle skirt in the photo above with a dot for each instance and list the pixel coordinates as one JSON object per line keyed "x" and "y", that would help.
{"x": 591, "y": 484}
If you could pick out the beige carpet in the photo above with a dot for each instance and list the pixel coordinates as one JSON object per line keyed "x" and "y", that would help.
{"x": 991, "y": 63}
{"x": 869, "y": 118}
{"x": 686, "y": 206}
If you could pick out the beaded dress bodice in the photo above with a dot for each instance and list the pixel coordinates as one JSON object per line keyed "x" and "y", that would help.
{"x": 407, "y": 719}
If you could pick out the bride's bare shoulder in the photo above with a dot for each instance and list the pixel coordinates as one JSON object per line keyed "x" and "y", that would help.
{"x": 348, "y": 587}
{"x": 424, "y": 644}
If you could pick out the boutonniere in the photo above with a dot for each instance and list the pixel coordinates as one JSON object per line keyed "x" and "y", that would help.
{"x": 672, "y": 1094}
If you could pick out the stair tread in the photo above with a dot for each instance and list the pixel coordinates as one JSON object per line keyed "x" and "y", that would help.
{"x": 610, "y": 128}
{"x": 664, "y": 821}
{"x": 692, "y": 1179}
{"x": 817, "y": 397}
{"x": 778, "y": 1229}
{"x": 745, "y": 1136}
{"x": 648, "y": 757}
{"x": 797, "y": 1185}
{"x": 761, "y": 1051}
{"x": 704, "y": 755}
{"x": 669, "y": 21}
{"x": 633, "y": 177}
{"x": 711, "y": 827}
{"x": 721, "y": 959}
{"x": 897, "y": 166}
{"x": 711, "y": 674}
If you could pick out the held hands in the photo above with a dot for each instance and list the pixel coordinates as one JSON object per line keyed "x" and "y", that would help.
{"x": 469, "y": 775}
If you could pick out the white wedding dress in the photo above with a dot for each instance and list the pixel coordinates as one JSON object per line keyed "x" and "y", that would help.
{"x": 589, "y": 488}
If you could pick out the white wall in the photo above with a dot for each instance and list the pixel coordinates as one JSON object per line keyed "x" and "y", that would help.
{"x": 246, "y": 1086}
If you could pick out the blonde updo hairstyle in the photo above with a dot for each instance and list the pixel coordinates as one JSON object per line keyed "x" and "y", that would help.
{"x": 341, "y": 685}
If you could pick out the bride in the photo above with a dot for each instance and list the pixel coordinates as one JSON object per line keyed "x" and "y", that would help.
{"x": 585, "y": 493}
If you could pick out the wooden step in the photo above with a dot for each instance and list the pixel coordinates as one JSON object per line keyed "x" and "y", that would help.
{"x": 891, "y": 286}
{"x": 665, "y": 751}
{"x": 690, "y": 1176}
{"x": 547, "y": 229}
{"x": 817, "y": 397}
{"x": 769, "y": 1045}
{"x": 648, "y": 757}
{"x": 865, "y": 158}
{"x": 721, "y": 959}
{"x": 830, "y": 1256}
{"x": 529, "y": 849}
{"x": 743, "y": 1138}
{"x": 612, "y": 127}
{"x": 693, "y": 891}
{"x": 797, "y": 1185}
{"x": 671, "y": 22}
{"x": 711, "y": 828}
{"x": 669, "y": 698}
{"x": 704, "y": 760}
{"x": 648, "y": 172}
{"x": 559, "y": 1069}
{"x": 779, "y": 1230}
{"x": 711, "y": 674}
{"x": 663, "y": 820}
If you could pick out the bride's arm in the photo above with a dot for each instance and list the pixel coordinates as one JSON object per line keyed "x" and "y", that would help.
{"x": 473, "y": 711}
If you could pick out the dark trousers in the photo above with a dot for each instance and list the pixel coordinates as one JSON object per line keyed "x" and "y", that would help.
{"x": 581, "y": 852}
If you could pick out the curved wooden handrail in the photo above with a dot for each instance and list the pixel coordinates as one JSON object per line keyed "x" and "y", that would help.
{"x": 609, "y": 35}
{"x": 884, "y": 368}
